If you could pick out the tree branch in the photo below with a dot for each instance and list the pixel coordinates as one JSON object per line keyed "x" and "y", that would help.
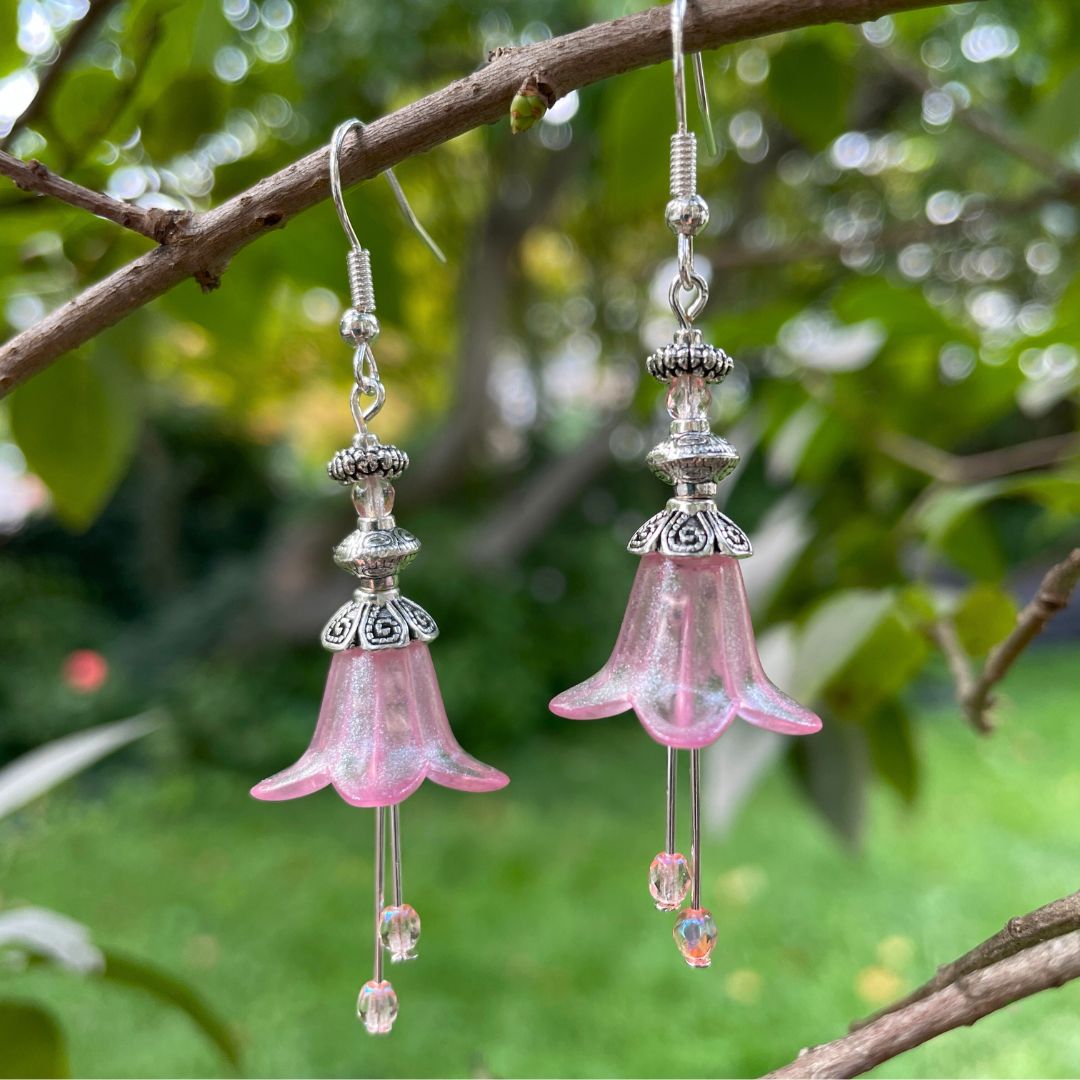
{"x": 1051, "y": 921}
{"x": 508, "y": 531}
{"x": 204, "y": 245}
{"x": 155, "y": 223}
{"x": 968, "y": 998}
{"x": 948, "y": 468}
{"x": 974, "y": 693}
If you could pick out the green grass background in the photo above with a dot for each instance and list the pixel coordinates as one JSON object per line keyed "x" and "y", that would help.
{"x": 541, "y": 953}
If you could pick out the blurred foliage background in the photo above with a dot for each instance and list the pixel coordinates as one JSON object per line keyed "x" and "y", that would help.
{"x": 892, "y": 256}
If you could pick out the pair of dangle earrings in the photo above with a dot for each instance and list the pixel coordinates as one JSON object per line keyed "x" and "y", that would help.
{"x": 685, "y": 660}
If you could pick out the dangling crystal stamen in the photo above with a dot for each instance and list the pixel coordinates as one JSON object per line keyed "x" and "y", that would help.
{"x": 377, "y": 1005}
{"x": 669, "y": 873}
{"x": 399, "y": 925}
{"x": 695, "y": 929}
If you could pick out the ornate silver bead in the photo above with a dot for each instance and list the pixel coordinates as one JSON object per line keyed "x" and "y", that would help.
{"x": 358, "y": 327}
{"x": 371, "y": 458}
{"x": 687, "y": 215}
{"x": 693, "y": 457}
{"x": 376, "y": 553}
{"x": 688, "y": 354}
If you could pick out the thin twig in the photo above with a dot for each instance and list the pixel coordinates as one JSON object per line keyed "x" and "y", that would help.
{"x": 974, "y": 692}
{"x": 203, "y": 247}
{"x": 944, "y": 633}
{"x": 1054, "y": 919}
{"x": 971, "y": 997}
{"x": 1053, "y": 595}
{"x": 157, "y": 224}
{"x": 961, "y": 469}
{"x": 48, "y": 79}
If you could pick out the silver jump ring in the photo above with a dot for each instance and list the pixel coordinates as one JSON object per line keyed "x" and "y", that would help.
{"x": 363, "y": 413}
{"x": 686, "y": 315}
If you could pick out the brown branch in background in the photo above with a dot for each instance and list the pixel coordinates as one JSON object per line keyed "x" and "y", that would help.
{"x": 1051, "y": 921}
{"x": 32, "y": 176}
{"x": 974, "y": 693}
{"x": 948, "y": 468}
{"x": 79, "y": 35}
{"x": 1034, "y": 952}
{"x": 502, "y": 536}
{"x": 980, "y": 121}
{"x": 204, "y": 245}
{"x": 485, "y": 291}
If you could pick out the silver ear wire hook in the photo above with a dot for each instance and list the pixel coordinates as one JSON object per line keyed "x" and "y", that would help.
{"x": 359, "y": 327}
{"x": 678, "y": 17}
{"x": 336, "y": 143}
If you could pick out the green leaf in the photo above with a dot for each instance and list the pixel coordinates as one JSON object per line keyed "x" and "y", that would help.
{"x": 41, "y": 769}
{"x": 985, "y": 615}
{"x": 834, "y": 634}
{"x": 833, "y": 769}
{"x": 172, "y": 991}
{"x": 892, "y": 750}
{"x": 809, "y": 86}
{"x": 634, "y": 136}
{"x": 31, "y": 1041}
{"x": 76, "y": 423}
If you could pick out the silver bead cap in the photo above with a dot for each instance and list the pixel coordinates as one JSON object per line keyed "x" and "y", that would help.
{"x": 694, "y": 528}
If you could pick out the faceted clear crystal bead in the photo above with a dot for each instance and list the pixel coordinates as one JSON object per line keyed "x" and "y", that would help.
{"x": 669, "y": 880}
{"x": 695, "y": 934}
{"x": 373, "y": 498}
{"x": 399, "y": 931}
{"x": 377, "y": 1007}
{"x": 688, "y": 398}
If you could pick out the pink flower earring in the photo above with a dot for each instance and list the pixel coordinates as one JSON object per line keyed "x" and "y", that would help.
{"x": 382, "y": 728}
{"x": 685, "y": 660}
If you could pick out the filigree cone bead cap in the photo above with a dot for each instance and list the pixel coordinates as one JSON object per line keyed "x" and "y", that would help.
{"x": 382, "y": 729}
{"x": 685, "y": 660}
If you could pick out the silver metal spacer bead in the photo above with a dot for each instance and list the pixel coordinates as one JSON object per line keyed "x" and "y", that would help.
{"x": 358, "y": 328}
{"x": 687, "y": 215}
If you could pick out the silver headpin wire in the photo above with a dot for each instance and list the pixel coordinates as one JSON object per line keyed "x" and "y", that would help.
{"x": 359, "y": 326}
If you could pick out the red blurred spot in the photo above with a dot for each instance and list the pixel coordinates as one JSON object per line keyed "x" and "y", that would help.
{"x": 85, "y": 670}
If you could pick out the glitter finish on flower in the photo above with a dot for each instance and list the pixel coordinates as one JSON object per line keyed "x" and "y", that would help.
{"x": 685, "y": 660}
{"x": 382, "y": 730}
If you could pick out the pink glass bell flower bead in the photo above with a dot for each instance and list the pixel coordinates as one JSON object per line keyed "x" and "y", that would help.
{"x": 382, "y": 730}
{"x": 695, "y": 934}
{"x": 669, "y": 880}
{"x": 685, "y": 660}
{"x": 377, "y": 1007}
{"x": 399, "y": 932}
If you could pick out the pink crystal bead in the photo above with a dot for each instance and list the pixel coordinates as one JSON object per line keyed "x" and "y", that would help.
{"x": 399, "y": 932}
{"x": 377, "y": 1007}
{"x": 685, "y": 660}
{"x": 695, "y": 934}
{"x": 382, "y": 729}
{"x": 669, "y": 880}
{"x": 688, "y": 398}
